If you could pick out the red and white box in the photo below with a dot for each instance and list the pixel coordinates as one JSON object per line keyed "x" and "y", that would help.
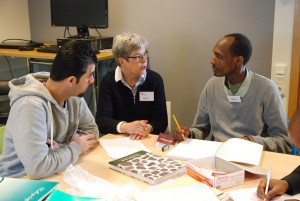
{"x": 215, "y": 172}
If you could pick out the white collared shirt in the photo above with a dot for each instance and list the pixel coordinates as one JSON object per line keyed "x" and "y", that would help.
{"x": 119, "y": 76}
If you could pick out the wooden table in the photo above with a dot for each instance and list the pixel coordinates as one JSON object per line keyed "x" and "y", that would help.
{"x": 43, "y": 55}
{"x": 34, "y": 54}
{"x": 96, "y": 163}
{"x": 42, "y": 58}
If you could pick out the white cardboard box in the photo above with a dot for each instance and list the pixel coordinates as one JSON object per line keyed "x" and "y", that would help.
{"x": 202, "y": 169}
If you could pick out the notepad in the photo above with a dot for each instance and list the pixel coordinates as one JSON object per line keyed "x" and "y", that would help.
{"x": 234, "y": 150}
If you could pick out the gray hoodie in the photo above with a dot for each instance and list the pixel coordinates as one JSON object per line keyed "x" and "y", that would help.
{"x": 35, "y": 116}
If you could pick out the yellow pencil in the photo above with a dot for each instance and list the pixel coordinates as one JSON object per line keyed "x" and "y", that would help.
{"x": 182, "y": 134}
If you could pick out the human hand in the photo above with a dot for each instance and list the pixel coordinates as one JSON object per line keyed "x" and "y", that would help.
{"x": 55, "y": 145}
{"x": 139, "y": 136}
{"x": 276, "y": 187}
{"x": 137, "y": 129}
{"x": 248, "y": 137}
{"x": 179, "y": 135}
{"x": 86, "y": 142}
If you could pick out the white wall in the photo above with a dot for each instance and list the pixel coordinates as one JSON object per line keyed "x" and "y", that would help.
{"x": 282, "y": 46}
{"x": 181, "y": 35}
{"x": 14, "y": 22}
{"x": 14, "y": 19}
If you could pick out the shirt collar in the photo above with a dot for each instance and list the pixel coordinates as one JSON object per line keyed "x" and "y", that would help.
{"x": 119, "y": 77}
{"x": 243, "y": 88}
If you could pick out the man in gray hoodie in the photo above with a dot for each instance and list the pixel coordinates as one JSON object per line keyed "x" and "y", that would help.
{"x": 49, "y": 124}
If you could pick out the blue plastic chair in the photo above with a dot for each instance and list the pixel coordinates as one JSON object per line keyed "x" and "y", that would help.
{"x": 295, "y": 151}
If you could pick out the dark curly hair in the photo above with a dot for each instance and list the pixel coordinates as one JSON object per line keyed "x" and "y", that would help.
{"x": 72, "y": 59}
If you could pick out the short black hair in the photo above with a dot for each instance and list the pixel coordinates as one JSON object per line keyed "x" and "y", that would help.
{"x": 72, "y": 59}
{"x": 241, "y": 46}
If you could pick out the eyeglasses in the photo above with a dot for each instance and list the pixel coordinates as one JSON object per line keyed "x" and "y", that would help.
{"x": 139, "y": 58}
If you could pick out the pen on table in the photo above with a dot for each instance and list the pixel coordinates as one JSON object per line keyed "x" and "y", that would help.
{"x": 268, "y": 181}
{"x": 182, "y": 134}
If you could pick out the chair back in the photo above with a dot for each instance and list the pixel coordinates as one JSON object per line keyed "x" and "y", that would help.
{"x": 169, "y": 129}
{"x": 4, "y": 88}
{"x": 4, "y": 101}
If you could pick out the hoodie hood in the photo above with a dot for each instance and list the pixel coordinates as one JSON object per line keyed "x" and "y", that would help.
{"x": 31, "y": 84}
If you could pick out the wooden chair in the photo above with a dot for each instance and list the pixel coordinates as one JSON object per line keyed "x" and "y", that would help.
{"x": 169, "y": 129}
{"x": 2, "y": 129}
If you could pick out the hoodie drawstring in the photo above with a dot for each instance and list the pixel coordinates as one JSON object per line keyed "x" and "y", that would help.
{"x": 51, "y": 119}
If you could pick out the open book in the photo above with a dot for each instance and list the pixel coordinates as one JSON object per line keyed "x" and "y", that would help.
{"x": 234, "y": 150}
{"x": 148, "y": 167}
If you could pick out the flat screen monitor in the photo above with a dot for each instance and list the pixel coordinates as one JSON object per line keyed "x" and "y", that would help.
{"x": 82, "y": 14}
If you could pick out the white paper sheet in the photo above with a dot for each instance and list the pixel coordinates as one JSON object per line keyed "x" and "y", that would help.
{"x": 249, "y": 194}
{"x": 194, "y": 149}
{"x": 239, "y": 150}
{"x": 234, "y": 149}
{"x": 120, "y": 147}
{"x": 195, "y": 193}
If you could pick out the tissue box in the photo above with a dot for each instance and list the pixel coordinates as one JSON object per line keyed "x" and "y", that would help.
{"x": 215, "y": 172}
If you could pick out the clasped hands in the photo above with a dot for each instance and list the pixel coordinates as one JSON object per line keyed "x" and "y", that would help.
{"x": 86, "y": 142}
{"x": 137, "y": 129}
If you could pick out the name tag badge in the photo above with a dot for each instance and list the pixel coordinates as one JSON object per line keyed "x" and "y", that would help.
{"x": 146, "y": 96}
{"x": 234, "y": 99}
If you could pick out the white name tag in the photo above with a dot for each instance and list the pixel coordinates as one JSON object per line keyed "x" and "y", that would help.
{"x": 234, "y": 99}
{"x": 146, "y": 96}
